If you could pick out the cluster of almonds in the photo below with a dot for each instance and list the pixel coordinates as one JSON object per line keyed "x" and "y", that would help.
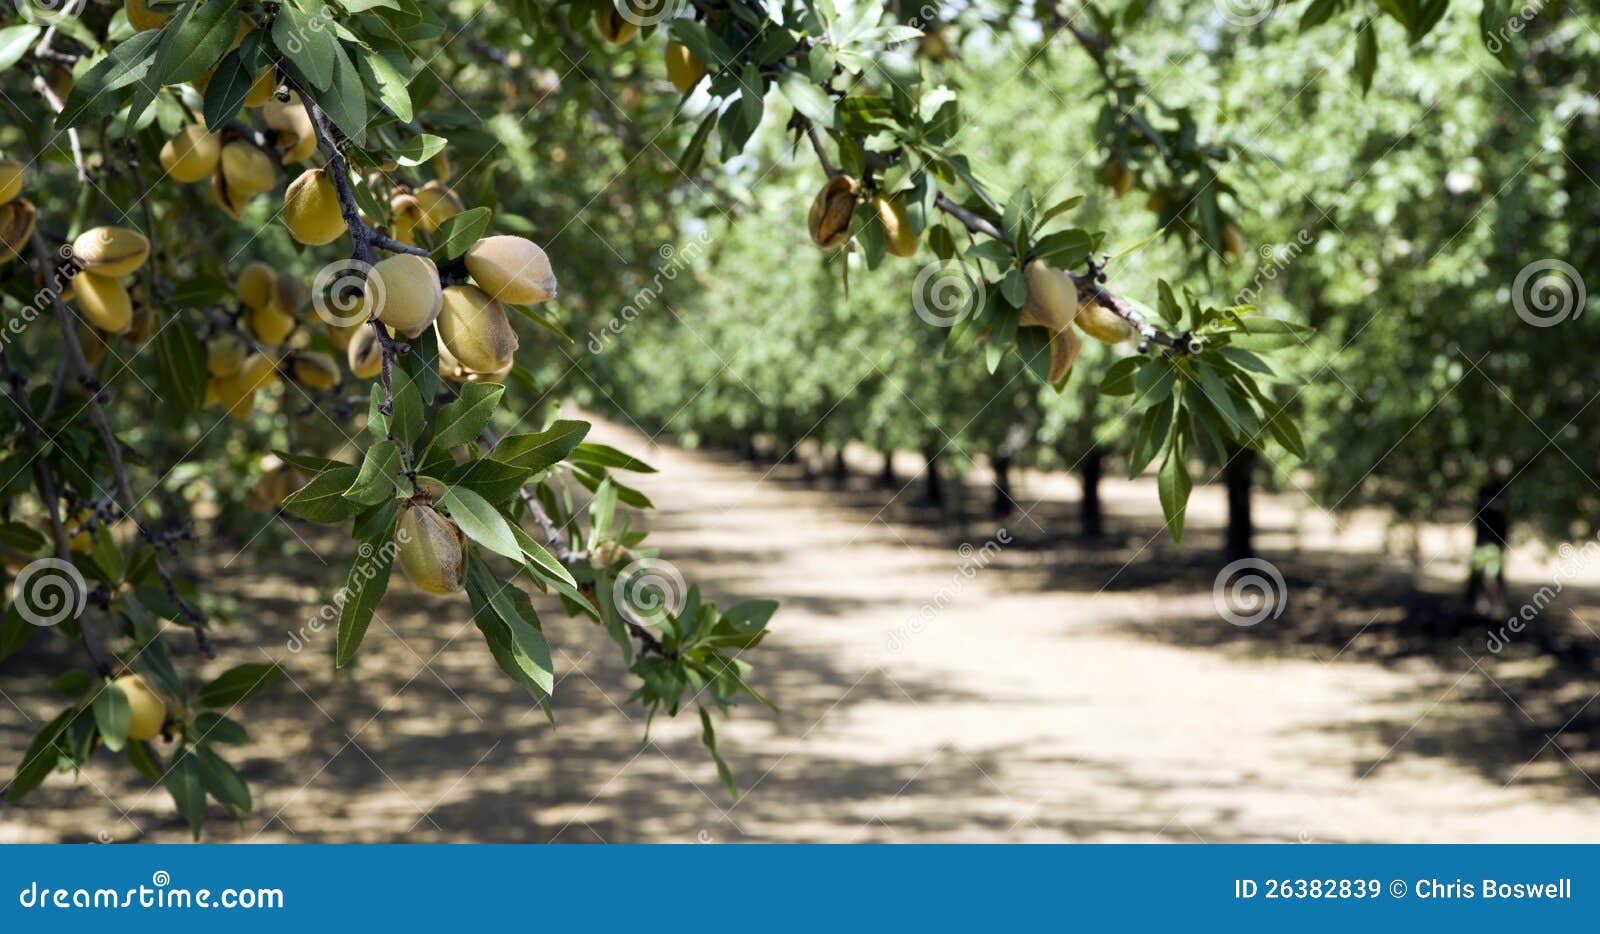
{"x": 106, "y": 256}
{"x": 17, "y": 215}
{"x": 835, "y": 204}
{"x": 1054, "y": 304}
{"x": 476, "y": 340}
{"x": 240, "y": 170}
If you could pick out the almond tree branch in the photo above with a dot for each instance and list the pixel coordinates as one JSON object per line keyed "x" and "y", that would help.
{"x": 366, "y": 240}
{"x": 1088, "y": 283}
{"x": 113, "y": 447}
{"x": 52, "y": 504}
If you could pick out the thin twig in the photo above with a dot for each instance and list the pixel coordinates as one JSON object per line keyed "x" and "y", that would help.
{"x": 52, "y": 505}
{"x": 56, "y": 104}
{"x": 97, "y": 415}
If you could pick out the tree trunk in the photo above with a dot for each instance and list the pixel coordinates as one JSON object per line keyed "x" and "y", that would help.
{"x": 1003, "y": 500}
{"x": 886, "y": 473}
{"x": 933, "y": 489}
{"x": 1491, "y": 528}
{"x": 841, "y": 469}
{"x": 1090, "y": 470}
{"x": 1241, "y": 527}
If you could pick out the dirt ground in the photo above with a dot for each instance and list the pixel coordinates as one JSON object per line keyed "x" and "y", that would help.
{"x": 937, "y": 682}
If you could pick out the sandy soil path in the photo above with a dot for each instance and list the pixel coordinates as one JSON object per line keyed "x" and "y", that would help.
{"x": 930, "y": 691}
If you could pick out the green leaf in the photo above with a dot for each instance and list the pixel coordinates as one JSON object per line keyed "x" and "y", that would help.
{"x": 1319, "y": 12}
{"x": 220, "y": 779}
{"x": 322, "y": 500}
{"x": 213, "y": 727}
{"x": 694, "y": 153}
{"x": 375, "y": 521}
{"x": 21, "y": 537}
{"x": 490, "y": 479}
{"x": 16, "y": 41}
{"x": 74, "y": 682}
{"x": 310, "y": 462}
{"x": 549, "y": 567}
{"x": 308, "y": 44}
{"x": 181, "y": 372}
{"x": 40, "y": 758}
{"x": 194, "y": 41}
{"x": 407, "y": 418}
{"x": 346, "y": 101}
{"x": 1064, "y": 249}
{"x": 230, "y": 84}
{"x": 481, "y": 521}
{"x": 459, "y": 232}
{"x": 92, "y": 95}
{"x": 112, "y": 713}
{"x": 464, "y": 419}
{"x": 1153, "y": 381}
{"x": 363, "y": 590}
{"x": 377, "y": 480}
{"x": 419, "y": 149}
{"x": 506, "y": 618}
{"x": 140, "y": 757}
{"x": 389, "y": 83}
{"x": 1174, "y": 485}
{"x": 1216, "y": 393}
{"x": 750, "y": 614}
{"x": 539, "y": 450}
{"x": 1153, "y": 429}
{"x": 708, "y": 737}
{"x": 1118, "y": 380}
{"x": 1033, "y": 345}
{"x": 1167, "y": 304}
{"x": 1366, "y": 63}
{"x": 14, "y": 631}
{"x": 808, "y": 99}
{"x": 238, "y": 683}
{"x": 182, "y": 781}
{"x": 604, "y": 455}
